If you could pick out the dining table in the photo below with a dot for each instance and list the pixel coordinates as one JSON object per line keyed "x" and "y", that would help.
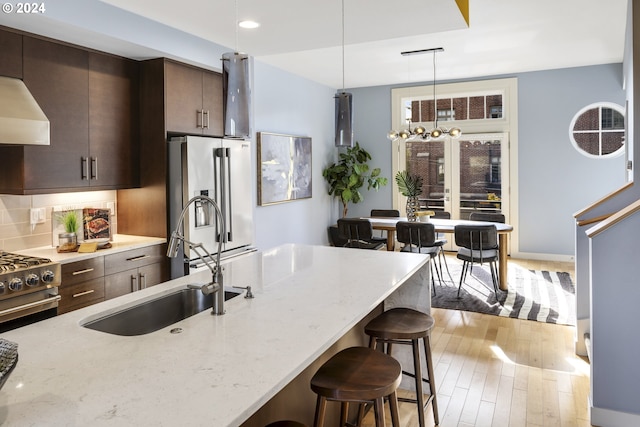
{"x": 388, "y": 224}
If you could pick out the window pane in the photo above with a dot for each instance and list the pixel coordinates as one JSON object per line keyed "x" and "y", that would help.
{"x": 611, "y": 142}
{"x": 426, "y": 158}
{"x": 494, "y": 106}
{"x": 611, "y": 119}
{"x": 588, "y": 142}
{"x": 480, "y": 177}
{"x": 588, "y": 120}
{"x": 427, "y": 114}
{"x": 460, "y": 108}
{"x": 476, "y": 107}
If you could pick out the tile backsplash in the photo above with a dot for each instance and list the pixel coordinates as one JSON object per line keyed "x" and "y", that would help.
{"x": 16, "y": 232}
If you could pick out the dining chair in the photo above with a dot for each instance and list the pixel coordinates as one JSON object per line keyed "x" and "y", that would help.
{"x": 477, "y": 244}
{"x": 441, "y": 240}
{"x": 487, "y": 216}
{"x": 385, "y": 213}
{"x": 420, "y": 237}
{"x": 358, "y": 233}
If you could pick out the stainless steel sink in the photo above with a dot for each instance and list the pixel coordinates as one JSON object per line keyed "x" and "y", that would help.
{"x": 157, "y": 313}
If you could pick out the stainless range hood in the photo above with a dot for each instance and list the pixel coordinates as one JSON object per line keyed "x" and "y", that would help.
{"x": 22, "y": 121}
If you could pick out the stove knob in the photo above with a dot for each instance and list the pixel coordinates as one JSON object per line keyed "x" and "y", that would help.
{"x": 32, "y": 280}
{"x": 15, "y": 284}
{"x": 2, "y": 288}
{"x": 48, "y": 276}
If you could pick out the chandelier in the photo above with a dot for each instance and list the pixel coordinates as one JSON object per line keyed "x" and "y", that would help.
{"x": 420, "y": 131}
{"x": 343, "y": 107}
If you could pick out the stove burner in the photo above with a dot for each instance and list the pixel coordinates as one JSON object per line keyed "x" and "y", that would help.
{"x": 11, "y": 262}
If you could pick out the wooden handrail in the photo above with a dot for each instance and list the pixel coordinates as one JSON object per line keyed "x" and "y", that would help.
{"x": 614, "y": 219}
{"x": 602, "y": 200}
{"x": 593, "y": 220}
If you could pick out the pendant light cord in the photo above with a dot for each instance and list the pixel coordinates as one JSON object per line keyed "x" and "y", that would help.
{"x": 343, "y": 46}
{"x": 435, "y": 106}
{"x": 236, "y": 7}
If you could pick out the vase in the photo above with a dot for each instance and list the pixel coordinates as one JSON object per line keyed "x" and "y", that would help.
{"x": 68, "y": 242}
{"x": 412, "y": 207}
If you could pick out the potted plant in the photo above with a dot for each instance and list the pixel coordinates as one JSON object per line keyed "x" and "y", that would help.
{"x": 68, "y": 241}
{"x": 350, "y": 174}
{"x": 410, "y": 186}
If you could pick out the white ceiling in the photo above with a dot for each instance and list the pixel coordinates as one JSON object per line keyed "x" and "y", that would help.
{"x": 304, "y": 36}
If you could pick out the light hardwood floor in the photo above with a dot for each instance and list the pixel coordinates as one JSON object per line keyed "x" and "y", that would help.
{"x": 493, "y": 371}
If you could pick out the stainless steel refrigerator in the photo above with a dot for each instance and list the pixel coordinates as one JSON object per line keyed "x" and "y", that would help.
{"x": 220, "y": 169}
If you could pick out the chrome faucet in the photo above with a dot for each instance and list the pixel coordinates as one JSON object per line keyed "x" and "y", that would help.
{"x": 215, "y": 287}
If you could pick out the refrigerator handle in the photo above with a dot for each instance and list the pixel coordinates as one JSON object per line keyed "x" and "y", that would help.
{"x": 229, "y": 205}
{"x": 223, "y": 176}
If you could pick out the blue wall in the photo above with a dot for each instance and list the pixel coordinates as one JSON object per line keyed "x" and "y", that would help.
{"x": 554, "y": 180}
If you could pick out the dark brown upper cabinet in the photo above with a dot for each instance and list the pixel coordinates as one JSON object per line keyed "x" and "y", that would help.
{"x": 113, "y": 122}
{"x": 11, "y": 48}
{"x": 91, "y": 101}
{"x": 193, "y": 100}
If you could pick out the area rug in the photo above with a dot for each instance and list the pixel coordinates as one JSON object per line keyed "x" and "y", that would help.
{"x": 541, "y": 296}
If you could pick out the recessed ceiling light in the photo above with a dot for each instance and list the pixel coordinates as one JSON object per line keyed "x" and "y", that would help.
{"x": 248, "y": 24}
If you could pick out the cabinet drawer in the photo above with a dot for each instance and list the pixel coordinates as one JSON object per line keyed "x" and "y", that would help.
{"x": 80, "y": 294}
{"x": 134, "y": 258}
{"x": 80, "y": 271}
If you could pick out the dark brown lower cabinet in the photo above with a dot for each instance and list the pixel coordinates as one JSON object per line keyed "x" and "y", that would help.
{"x": 82, "y": 284}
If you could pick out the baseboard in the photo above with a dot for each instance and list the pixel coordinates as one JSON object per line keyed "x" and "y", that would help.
{"x": 608, "y": 418}
{"x": 543, "y": 257}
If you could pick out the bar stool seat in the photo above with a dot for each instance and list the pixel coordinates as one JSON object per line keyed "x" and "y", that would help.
{"x": 407, "y": 326}
{"x": 286, "y": 424}
{"x": 358, "y": 374}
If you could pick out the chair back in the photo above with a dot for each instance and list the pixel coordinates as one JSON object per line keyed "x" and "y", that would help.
{"x": 441, "y": 214}
{"x": 476, "y": 237}
{"x": 487, "y": 216}
{"x": 420, "y": 234}
{"x": 389, "y": 213}
{"x": 357, "y": 231}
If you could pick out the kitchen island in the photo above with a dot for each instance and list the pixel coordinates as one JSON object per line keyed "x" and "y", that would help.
{"x": 219, "y": 370}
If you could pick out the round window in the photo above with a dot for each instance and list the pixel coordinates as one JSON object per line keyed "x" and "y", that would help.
{"x": 598, "y": 130}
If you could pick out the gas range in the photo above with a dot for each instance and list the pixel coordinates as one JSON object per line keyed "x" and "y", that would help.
{"x": 23, "y": 274}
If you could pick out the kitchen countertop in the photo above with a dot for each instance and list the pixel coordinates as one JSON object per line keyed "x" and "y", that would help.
{"x": 120, "y": 242}
{"x": 220, "y": 369}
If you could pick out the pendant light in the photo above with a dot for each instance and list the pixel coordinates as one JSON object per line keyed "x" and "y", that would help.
{"x": 236, "y": 91}
{"x": 420, "y": 131}
{"x": 344, "y": 107}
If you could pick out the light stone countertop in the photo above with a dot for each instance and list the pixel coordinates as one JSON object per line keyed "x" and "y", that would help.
{"x": 220, "y": 369}
{"x": 120, "y": 242}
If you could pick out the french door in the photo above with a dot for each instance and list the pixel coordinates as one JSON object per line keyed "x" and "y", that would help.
{"x": 460, "y": 176}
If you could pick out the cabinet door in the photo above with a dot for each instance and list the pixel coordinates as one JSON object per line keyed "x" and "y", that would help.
{"x": 121, "y": 283}
{"x": 57, "y": 76}
{"x": 153, "y": 274}
{"x": 212, "y": 103}
{"x": 113, "y": 126}
{"x": 10, "y": 54}
{"x": 183, "y": 98}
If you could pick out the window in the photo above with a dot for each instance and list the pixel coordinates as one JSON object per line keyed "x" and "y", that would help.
{"x": 598, "y": 130}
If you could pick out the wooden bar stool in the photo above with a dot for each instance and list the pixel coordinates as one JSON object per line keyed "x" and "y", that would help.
{"x": 358, "y": 374}
{"x": 407, "y": 326}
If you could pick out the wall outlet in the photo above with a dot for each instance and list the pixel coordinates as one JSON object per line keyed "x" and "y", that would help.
{"x": 37, "y": 216}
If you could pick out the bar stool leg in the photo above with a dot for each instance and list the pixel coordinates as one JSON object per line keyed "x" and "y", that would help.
{"x": 432, "y": 378}
{"x": 321, "y": 406}
{"x": 344, "y": 412}
{"x": 418, "y": 378}
{"x": 393, "y": 408}
{"x": 378, "y": 407}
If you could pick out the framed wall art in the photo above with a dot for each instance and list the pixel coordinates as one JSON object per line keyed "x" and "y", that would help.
{"x": 284, "y": 168}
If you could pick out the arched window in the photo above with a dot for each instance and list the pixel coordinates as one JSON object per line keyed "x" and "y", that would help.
{"x": 598, "y": 130}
